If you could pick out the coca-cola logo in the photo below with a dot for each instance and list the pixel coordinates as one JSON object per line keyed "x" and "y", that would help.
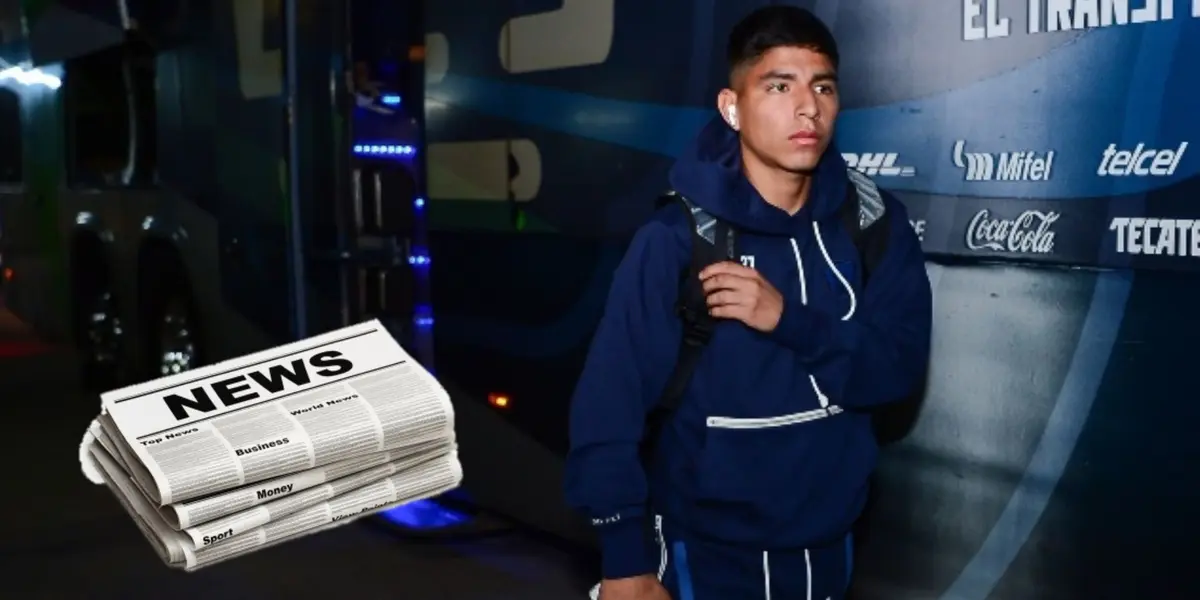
{"x": 1032, "y": 232}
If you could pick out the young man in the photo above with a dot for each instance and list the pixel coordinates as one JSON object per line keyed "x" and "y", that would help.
{"x": 762, "y": 470}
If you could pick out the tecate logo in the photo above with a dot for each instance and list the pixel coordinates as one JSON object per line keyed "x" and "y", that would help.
{"x": 1032, "y": 232}
{"x": 1157, "y": 237}
{"x": 1140, "y": 162}
{"x": 877, "y": 163}
{"x": 1024, "y": 165}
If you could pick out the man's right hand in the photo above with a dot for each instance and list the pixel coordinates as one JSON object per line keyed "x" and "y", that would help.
{"x": 642, "y": 587}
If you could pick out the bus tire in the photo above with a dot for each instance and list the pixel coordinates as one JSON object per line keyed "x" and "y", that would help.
{"x": 170, "y": 325}
{"x": 96, "y": 323}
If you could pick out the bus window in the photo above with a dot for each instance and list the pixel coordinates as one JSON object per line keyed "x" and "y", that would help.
{"x": 10, "y": 137}
{"x": 111, "y": 118}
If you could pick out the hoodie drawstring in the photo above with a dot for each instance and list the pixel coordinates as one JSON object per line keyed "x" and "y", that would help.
{"x": 829, "y": 261}
{"x": 824, "y": 400}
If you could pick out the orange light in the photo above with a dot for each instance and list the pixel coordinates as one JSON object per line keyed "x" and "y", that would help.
{"x": 499, "y": 400}
{"x": 416, "y": 53}
{"x": 8, "y": 273}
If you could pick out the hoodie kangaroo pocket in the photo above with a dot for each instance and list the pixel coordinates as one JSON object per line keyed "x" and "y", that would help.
{"x": 760, "y": 461}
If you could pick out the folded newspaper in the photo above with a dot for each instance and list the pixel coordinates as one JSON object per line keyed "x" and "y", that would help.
{"x": 228, "y": 459}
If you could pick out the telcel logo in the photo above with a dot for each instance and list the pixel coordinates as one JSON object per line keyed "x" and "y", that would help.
{"x": 1140, "y": 161}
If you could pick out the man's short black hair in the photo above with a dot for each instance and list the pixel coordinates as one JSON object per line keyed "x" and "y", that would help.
{"x": 776, "y": 26}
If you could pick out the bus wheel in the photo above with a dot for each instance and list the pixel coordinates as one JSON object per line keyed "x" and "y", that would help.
{"x": 98, "y": 330}
{"x": 174, "y": 342}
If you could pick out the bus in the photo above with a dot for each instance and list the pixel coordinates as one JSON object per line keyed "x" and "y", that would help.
{"x": 192, "y": 181}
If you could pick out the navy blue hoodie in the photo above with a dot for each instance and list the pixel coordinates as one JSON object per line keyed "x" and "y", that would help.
{"x": 771, "y": 448}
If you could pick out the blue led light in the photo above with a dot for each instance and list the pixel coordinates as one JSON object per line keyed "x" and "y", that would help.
{"x": 424, "y": 316}
{"x": 419, "y": 257}
{"x": 390, "y": 99}
{"x": 384, "y": 149}
{"x": 419, "y": 203}
{"x": 424, "y": 514}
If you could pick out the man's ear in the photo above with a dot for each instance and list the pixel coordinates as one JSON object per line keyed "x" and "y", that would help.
{"x": 727, "y": 105}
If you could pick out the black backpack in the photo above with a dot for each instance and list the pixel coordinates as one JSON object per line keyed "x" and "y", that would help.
{"x": 863, "y": 215}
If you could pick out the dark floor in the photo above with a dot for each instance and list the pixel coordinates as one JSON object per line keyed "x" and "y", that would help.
{"x": 63, "y": 538}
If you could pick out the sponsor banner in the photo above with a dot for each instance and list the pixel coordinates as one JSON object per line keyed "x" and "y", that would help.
{"x": 991, "y": 228}
{"x": 1140, "y": 161}
{"x": 878, "y": 164}
{"x": 1101, "y": 166}
{"x": 1016, "y": 165}
{"x": 1142, "y": 241}
{"x": 1113, "y": 233}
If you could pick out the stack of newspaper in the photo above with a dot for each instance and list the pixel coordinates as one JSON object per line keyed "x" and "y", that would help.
{"x": 228, "y": 459}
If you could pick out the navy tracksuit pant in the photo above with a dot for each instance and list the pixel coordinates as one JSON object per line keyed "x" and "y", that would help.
{"x": 694, "y": 569}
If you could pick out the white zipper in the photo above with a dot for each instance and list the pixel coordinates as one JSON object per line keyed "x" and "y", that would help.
{"x": 662, "y": 547}
{"x": 780, "y": 421}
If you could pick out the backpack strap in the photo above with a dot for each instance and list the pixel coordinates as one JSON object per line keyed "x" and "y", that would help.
{"x": 865, "y": 217}
{"x": 712, "y": 241}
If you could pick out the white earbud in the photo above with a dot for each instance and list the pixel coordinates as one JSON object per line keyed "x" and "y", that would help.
{"x": 731, "y": 113}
